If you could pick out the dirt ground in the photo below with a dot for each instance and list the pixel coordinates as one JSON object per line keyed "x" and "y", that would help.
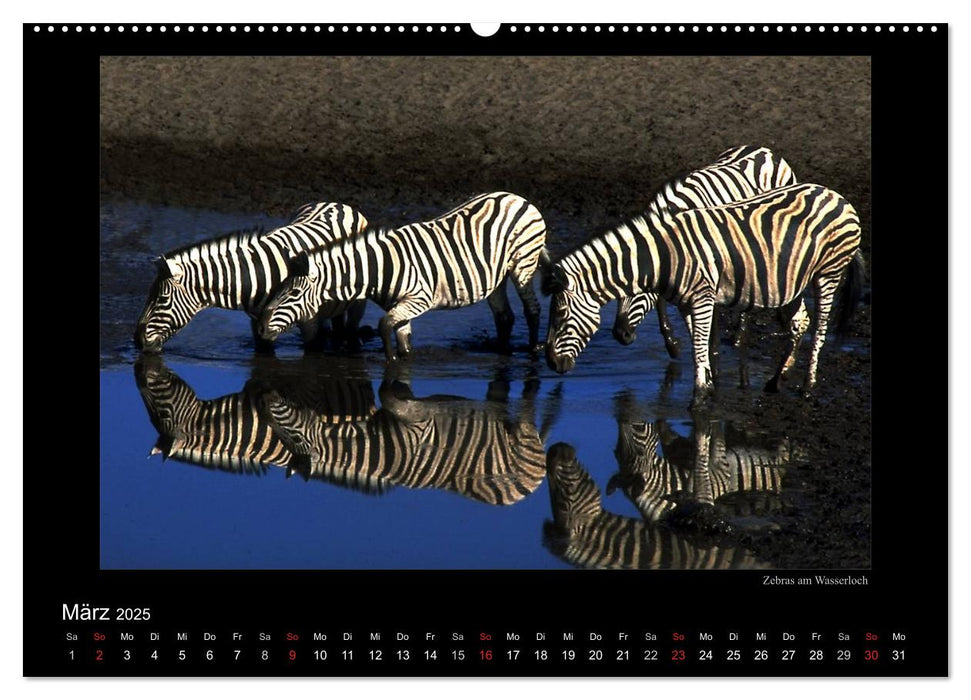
{"x": 585, "y": 139}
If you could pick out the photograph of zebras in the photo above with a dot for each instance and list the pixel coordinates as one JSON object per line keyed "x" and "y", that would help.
{"x": 305, "y": 273}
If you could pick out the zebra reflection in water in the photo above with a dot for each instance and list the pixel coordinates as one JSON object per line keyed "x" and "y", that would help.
{"x": 292, "y": 415}
{"x": 232, "y": 433}
{"x": 691, "y": 494}
{"x": 694, "y": 474}
{"x": 585, "y": 535}
{"x": 480, "y": 450}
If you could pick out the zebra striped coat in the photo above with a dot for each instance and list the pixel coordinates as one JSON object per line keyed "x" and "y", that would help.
{"x": 698, "y": 476}
{"x": 238, "y": 271}
{"x": 226, "y": 434}
{"x": 587, "y": 536}
{"x": 461, "y": 446}
{"x": 456, "y": 260}
{"x": 234, "y": 433}
{"x": 762, "y": 252}
{"x": 738, "y": 173}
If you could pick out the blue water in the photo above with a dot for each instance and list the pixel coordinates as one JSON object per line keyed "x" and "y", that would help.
{"x": 171, "y": 514}
{"x": 159, "y": 514}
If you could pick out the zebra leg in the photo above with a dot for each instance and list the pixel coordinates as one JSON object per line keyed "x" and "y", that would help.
{"x": 263, "y": 346}
{"x": 346, "y": 322}
{"x": 345, "y": 331}
{"x": 701, "y": 311}
{"x": 740, "y": 330}
{"x": 727, "y": 480}
{"x": 743, "y": 380}
{"x": 701, "y": 486}
{"x": 498, "y": 390}
{"x": 689, "y": 324}
{"x": 324, "y": 326}
{"x": 524, "y": 287}
{"x": 672, "y": 373}
{"x": 664, "y": 325}
{"x": 384, "y": 326}
{"x": 399, "y": 315}
{"x": 314, "y": 333}
{"x": 501, "y": 313}
{"x": 798, "y": 321}
{"x": 354, "y": 314}
{"x": 701, "y": 514}
{"x": 713, "y": 337}
{"x": 825, "y": 292}
{"x": 339, "y": 326}
{"x": 402, "y": 337}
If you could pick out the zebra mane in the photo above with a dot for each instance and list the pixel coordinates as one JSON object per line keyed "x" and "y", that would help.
{"x": 679, "y": 176}
{"x": 369, "y": 231}
{"x": 240, "y": 235}
{"x": 633, "y": 223}
{"x": 376, "y": 230}
{"x": 629, "y": 221}
{"x": 725, "y": 158}
{"x": 739, "y": 153}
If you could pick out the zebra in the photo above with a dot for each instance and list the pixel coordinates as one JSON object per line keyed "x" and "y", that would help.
{"x": 458, "y": 259}
{"x": 225, "y": 434}
{"x": 692, "y": 475}
{"x": 238, "y": 271}
{"x": 471, "y": 448}
{"x": 232, "y": 433}
{"x": 338, "y": 389}
{"x": 585, "y": 535}
{"x": 738, "y": 173}
{"x": 762, "y": 252}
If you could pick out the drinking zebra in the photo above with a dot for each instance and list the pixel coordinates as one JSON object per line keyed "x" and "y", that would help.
{"x": 238, "y": 271}
{"x": 759, "y": 253}
{"x": 738, "y": 173}
{"x": 471, "y": 448}
{"x": 458, "y": 259}
{"x": 587, "y": 536}
{"x": 233, "y": 433}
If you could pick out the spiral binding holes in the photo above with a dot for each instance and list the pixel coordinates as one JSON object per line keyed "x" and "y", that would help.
{"x": 483, "y": 29}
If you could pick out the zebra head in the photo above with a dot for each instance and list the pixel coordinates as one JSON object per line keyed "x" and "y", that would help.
{"x": 636, "y": 453}
{"x": 170, "y": 402}
{"x": 574, "y": 318}
{"x": 295, "y": 300}
{"x": 574, "y": 497}
{"x": 171, "y": 305}
{"x": 323, "y": 450}
{"x": 294, "y": 427}
{"x": 630, "y": 312}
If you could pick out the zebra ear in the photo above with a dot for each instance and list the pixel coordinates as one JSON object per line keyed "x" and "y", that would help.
{"x": 167, "y": 268}
{"x": 162, "y": 446}
{"x": 554, "y": 280}
{"x": 299, "y": 266}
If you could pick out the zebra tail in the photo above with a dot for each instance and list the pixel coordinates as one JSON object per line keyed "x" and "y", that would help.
{"x": 851, "y": 294}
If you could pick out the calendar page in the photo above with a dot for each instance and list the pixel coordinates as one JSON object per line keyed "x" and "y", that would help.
{"x": 555, "y": 350}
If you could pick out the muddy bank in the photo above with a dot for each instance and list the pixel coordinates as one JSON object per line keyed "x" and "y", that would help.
{"x": 584, "y": 138}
